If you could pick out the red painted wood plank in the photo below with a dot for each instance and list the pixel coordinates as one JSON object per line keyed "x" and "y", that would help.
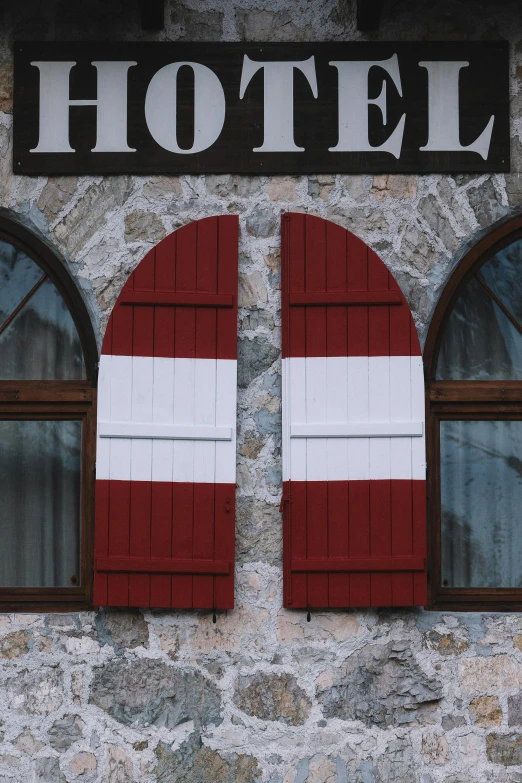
{"x": 122, "y": 321}
{"x": 378, "y": 317}
{"x": 293, "y": 276}
{"x": 206, "y": 281}
{"x": 336, "y": 281}
{"x": 359, "y": 511}
{"x": 203, "y": 542}
{"x": 162, "y": 565}
{"x": 348, "y": 564}
{"x": 186, "y": 258}
{"x": 317, "y": 523}
{"x": 336, "y": 299}
{"x": 338, "y": 541}
{"x": 119, "y": 511}
{"x": 101, "y": 540}
{"x": 227, "y": 274}
{"x": 139, "y": 539}
{"x": 380, "y": 539}
{"x": 161, "y": 540}
{"x": 170, "y": 299}
{"x": 402, "y": 540}
{"x": 165, "y": 317}
{"x": 420, "y": 581}
{"x": 182, "y": 527}
{"x": 315, "y": 280}
{"x": 143, "y": 275}
{"x": 400, "y": 325}
{"x": 224, "y": 535}
{"x": 357, "y": 281}
{"x": 295, "y": 516}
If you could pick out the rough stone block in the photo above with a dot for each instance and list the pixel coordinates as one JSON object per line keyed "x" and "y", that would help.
{"x": 83, "y": 763}
{"x": 65, "y": 731}
{"x": 504, "y": 749}
{"x": 446, "y": 643}
{"x": 141, "y": 226}
{"x": 515, "y": 710}
{"x": 251, "y": 290}
{"x": 123, "y": 628}
{"x": 254, "y": 358}
{"x": 197, "y": 763}
{"x": 381, "y": 685}
{"x": 486, "y": 711}
{"x": 15, "y": 644}
{"x": 149, "y": 692}
{"x": 274, "y": 697}
{"x": 492, "y": 674}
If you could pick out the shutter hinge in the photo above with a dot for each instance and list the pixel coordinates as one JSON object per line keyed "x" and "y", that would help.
{"x": 286, "y": 497}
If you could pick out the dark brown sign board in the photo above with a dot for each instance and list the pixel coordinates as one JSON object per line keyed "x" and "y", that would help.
{"x": 249, "y": 108}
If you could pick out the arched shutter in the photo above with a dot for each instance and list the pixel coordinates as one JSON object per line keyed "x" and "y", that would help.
{"x": 166, "y": 464}
{"x": 353, "y": 426}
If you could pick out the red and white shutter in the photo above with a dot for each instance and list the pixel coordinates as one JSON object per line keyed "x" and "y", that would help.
{"x": 166, "y": 461}
{"x": 353, "y": 426}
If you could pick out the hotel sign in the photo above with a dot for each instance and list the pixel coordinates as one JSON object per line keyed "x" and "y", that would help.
{"x": 168, "y": 108}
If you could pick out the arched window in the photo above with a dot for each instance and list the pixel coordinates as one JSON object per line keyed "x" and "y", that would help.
{"x": 47, "y": 429}
{"x": 474, "y": 404}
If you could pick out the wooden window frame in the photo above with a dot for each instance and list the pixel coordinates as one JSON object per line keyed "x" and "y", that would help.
{"x": 463, "y": 400}
{"x": 57, "y": 400}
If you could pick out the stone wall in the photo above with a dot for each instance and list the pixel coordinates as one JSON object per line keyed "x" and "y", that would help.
{"x": 262, "y": 695}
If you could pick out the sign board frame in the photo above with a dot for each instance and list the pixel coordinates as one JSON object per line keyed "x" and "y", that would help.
{"x": 482, "y": 92}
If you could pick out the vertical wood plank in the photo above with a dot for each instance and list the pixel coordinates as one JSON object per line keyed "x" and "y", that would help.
{"x": 224, "y": 543}
{"x": 296, "y": 491}
{"x": 161, "y": 540}
{"x": 359, "y": 511}
{"x": 101, "y": 540}
{"x": 227, "y": 273}
{"x": 182, "y": 530}
{"x": 119, "y": 511}
{"x": 203, "y": 542}
{"x": 380, "y": 539}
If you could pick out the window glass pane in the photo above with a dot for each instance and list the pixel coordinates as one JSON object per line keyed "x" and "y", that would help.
{"x": 39, "y": 503}
{"x": 479, "y": 342}
{"x": 18, "y": 274}
{"x": 481, "y": 503}
{"x": 41, "y": 343}
{"x": 503, "y": 274}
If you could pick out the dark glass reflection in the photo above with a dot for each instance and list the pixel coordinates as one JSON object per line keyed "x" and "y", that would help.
{"x": 41, "y": 342}
{"x": 479, "y": 342}
{"x": 40, "y": 503}
{"x": 503, "y": 274}
{"x": 18, "y": 274}
{"x": 481, "y": 503}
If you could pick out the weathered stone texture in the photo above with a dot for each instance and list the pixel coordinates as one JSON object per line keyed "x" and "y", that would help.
{"x": 148, "y": 692}
{"x": 254, "y": 357}
{"x": 125, "y": 629}
{"x": 381, "y": 686}
{"x": 258, "y": 531}
{"x": 15, "y": 644}
{"x": 486, "y": 711}
{"x": 47, "y": 770}
{"x": 272, "y": 697}
{"x": 504, "y": 749}
{"x": 194, "y": 762}
{"x": 143, "y": 226}
{"x": 446, "y": 643}
{"x": 65, "y": 731}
